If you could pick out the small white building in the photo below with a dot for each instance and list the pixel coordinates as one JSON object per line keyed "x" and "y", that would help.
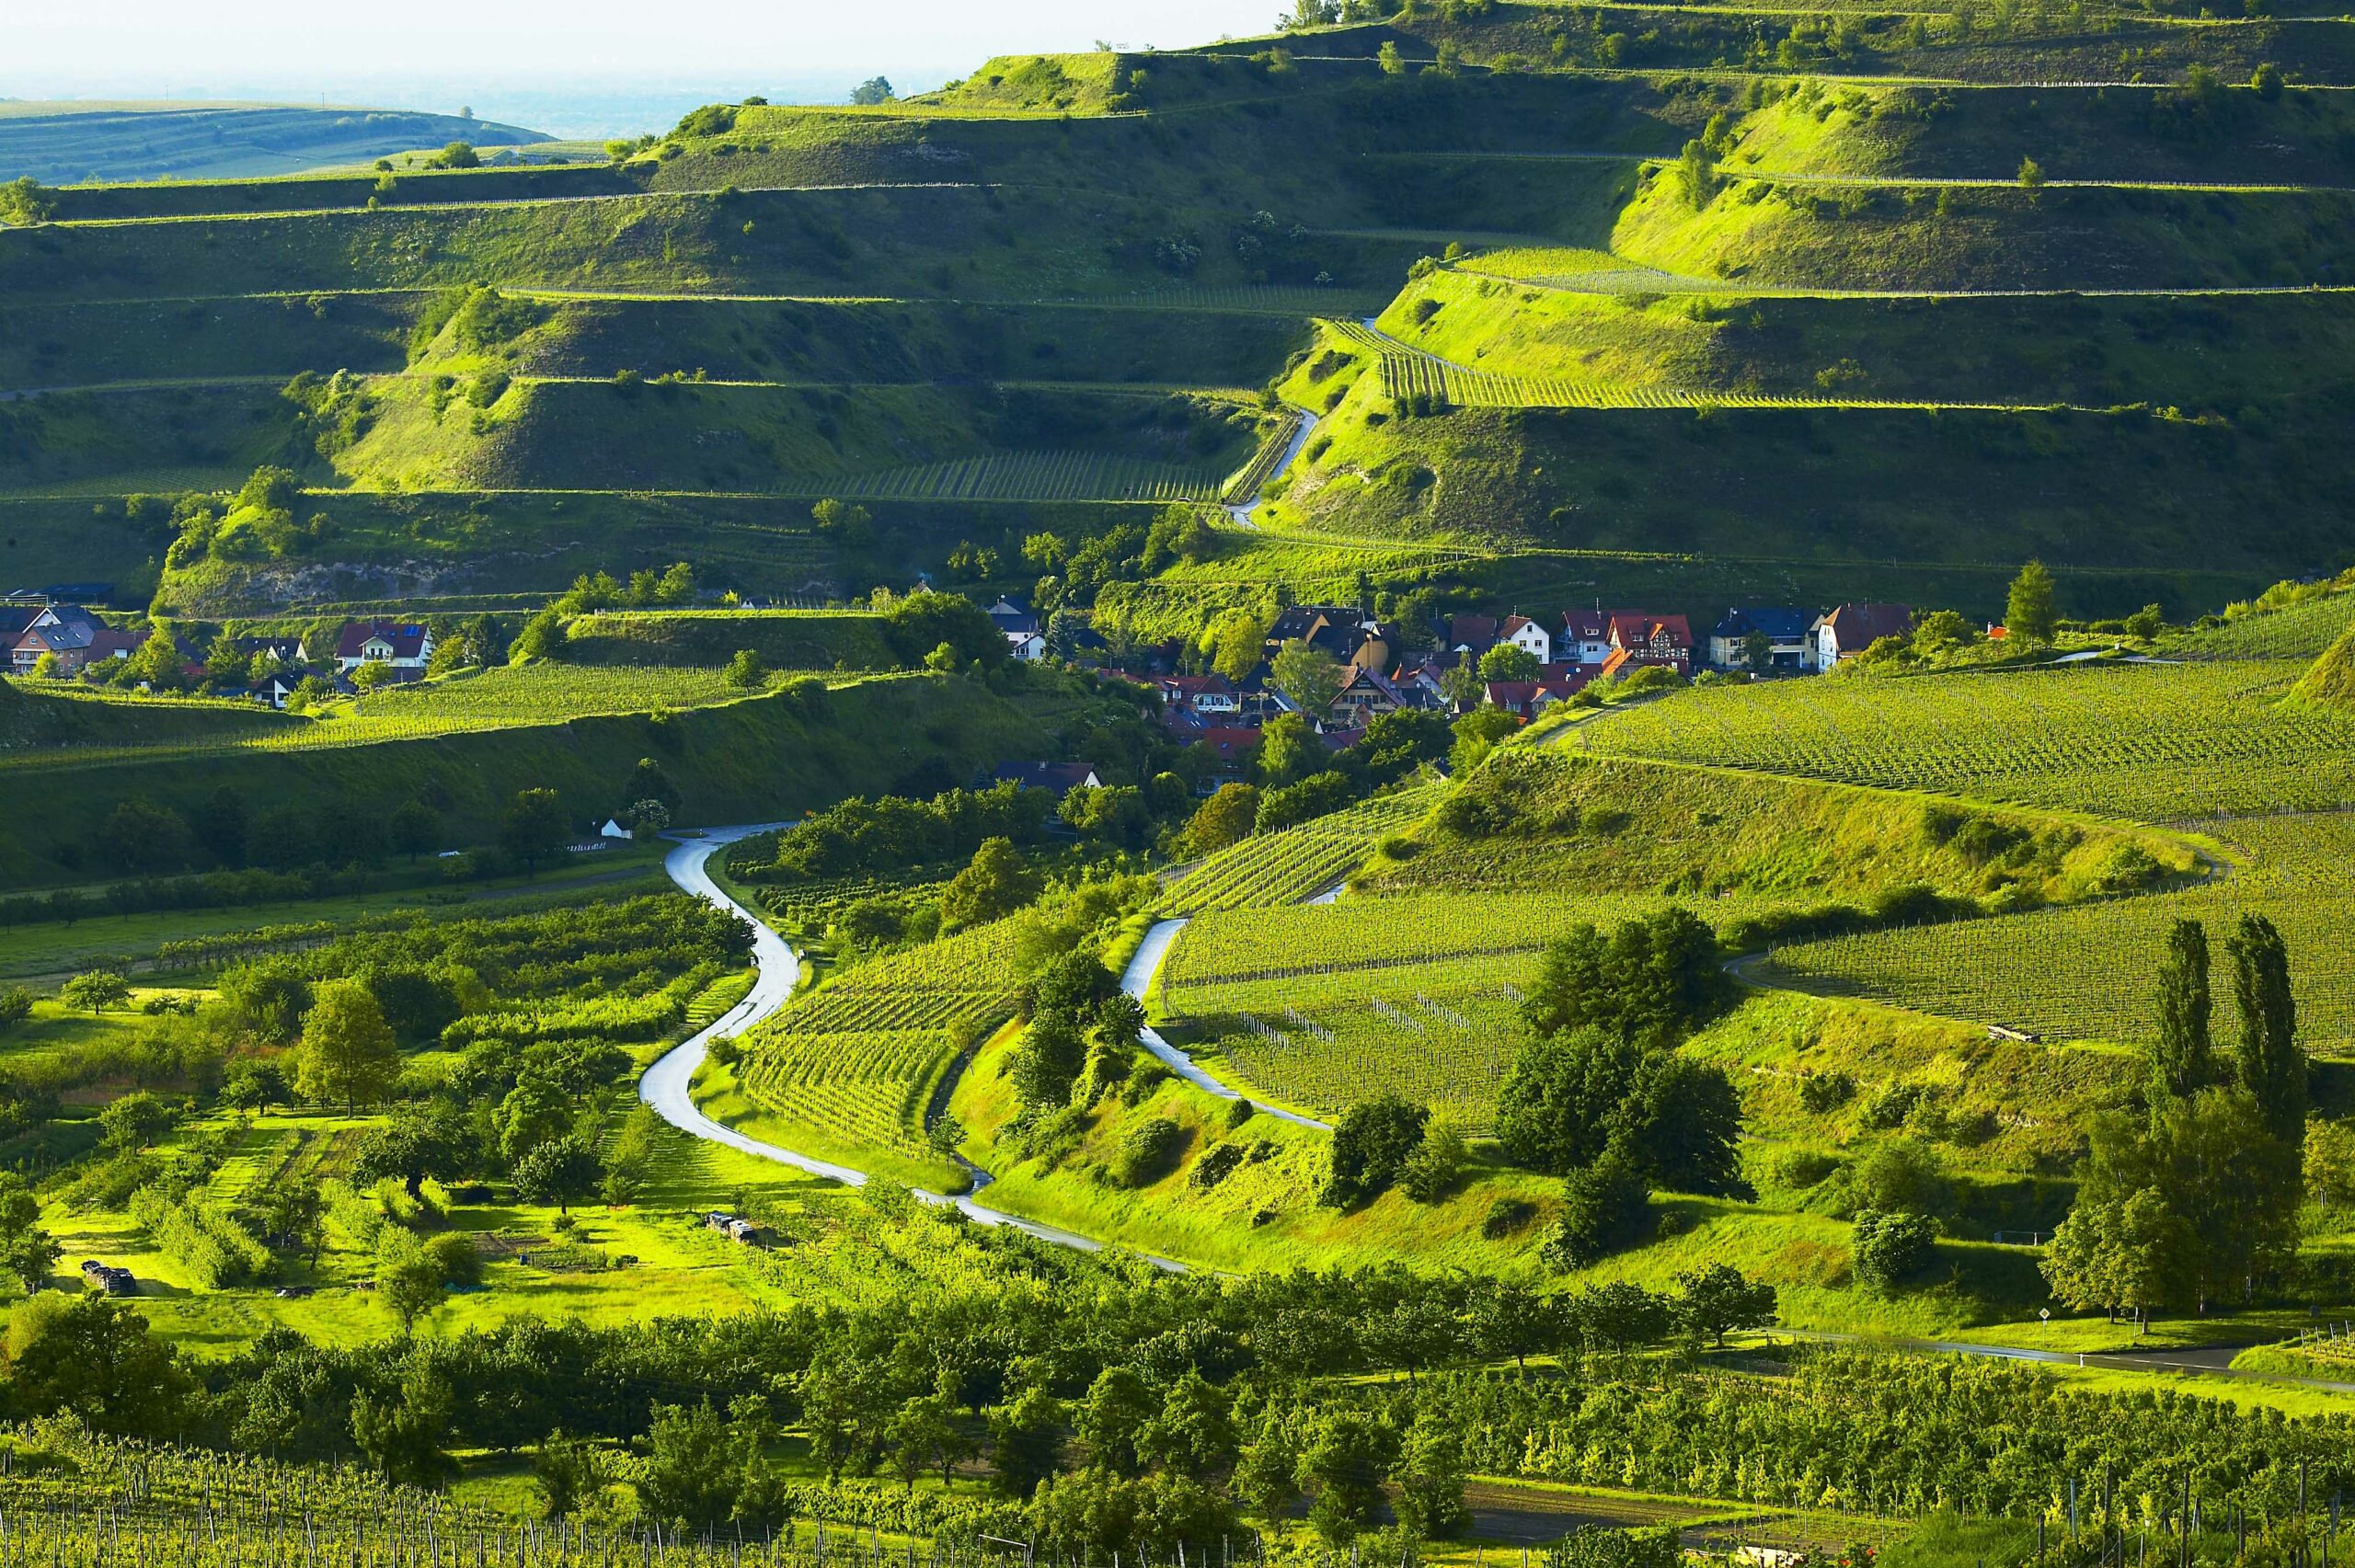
{"x": 1529, "y": 637}
{"x": 1851, "y": 629}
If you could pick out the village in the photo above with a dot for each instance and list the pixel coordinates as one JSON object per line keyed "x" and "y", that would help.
{"x": 1341, "y": 667}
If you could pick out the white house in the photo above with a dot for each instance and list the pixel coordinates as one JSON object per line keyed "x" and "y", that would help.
{"x": 1527, "y": 635}
{"x": 614, "y": 829}
{"x": 1851, "y": 629}
{"x": 403, "y": 645}
{"x": 1027, "y": 647}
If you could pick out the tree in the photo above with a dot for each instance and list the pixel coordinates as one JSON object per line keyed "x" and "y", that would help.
{"x": 136, "y": 1120}
{"x": 1619, "y": 1317}
{"x": 684, "y": 1477}
{"x": 1266, "y": 1472}
{"x": 562, "y": 1172}
{"x": 1720, "y": 1298}
{"x": 1054, "y": 1053}
{"x": 1428, "y": 1478}
{"x": 2266, "y": 81}
{"x": 141, "y": 836}
{"x": 2029, "y": 615}
{"x": 1370, "y": 1146}
{"x": 1507, "y": 1318}
{"x": 843, "y": 524}
{"x": 568, "y": 1472}
{"x": 745, "y": 671}
{"x": 27, "y": 1251}
{"x": 2182, "y": 1055}
{"x": 1311, "y": 678}
{"x": 1476, "y": 734}
{"x": 412, "y": 829}
{"x": 1663, "y": 974}
{"x": 416, "y": 1141}
{"x": 1393, "y": 64}
{"x": 1758, "y": 653}
{"x": 368, "y": 677}
{"x": 220, "y": 826}
{"x": 2272, "y": 1068}
{"x": 413, "y": 1288}
{"x": 1223, "y": 820}
{"x": 1026, "y": 1441}
{"x": 15, "y": 1005}
{"x": 96, "y": 990}
{"x": 2330, "y": 1163}
{"x": 1342, "y": 1465}
{"x": 1289, "y": 752}
{"x": 88, "y": 1358}
{"x": 1605, "y": 1206}
{"x": 1194, "y": 1433}
{"x": 347, "y": 1051}
{"x": 2031, "y": 174}
{"x": 926, "y": 1432}
{"x": 1119, "y": 1406}
{"x": 1696, "y": 175}
{"x": 1510, "y": 661}
{"x": 1460, "y": 684}
{"x": 995, "y": 883}
{"x": 456, "y": 156}
{"x": 874, "y": 90}
{"x": 158, "y": 663}
{"x": 535, "y": 827}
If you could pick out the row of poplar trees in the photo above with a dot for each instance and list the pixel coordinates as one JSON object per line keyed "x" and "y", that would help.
{"x": 2198, "y": 1198}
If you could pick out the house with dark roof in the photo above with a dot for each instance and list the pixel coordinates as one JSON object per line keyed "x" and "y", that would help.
{"x": 1058, "y": 778}
{"x": 1852, "y": 628}
{"x": 1025, "y": 639}
{"x": 1783, "y": 629}
{"x": 67, "y": 631}
{"x": 1585, "y": 637}
{"x": 401, "y": 645}
{"x": 280, "y": 650}
{"x": 1475, "y": 635}
{"x": 1367, "y": 696}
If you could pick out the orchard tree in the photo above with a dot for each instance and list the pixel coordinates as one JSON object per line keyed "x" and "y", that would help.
{"x": 1720, "y": 1298}
{"x": 27, "y": 1251}
{"x": 96, "y": 990}
{"x": 347, "y": 1050}
{"x": 561, "y": 1172}
{"x": 1510, "y": 661}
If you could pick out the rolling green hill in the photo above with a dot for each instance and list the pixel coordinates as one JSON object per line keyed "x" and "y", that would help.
{"x": 72, "y": 142}
{"x": 1877, "y": 354}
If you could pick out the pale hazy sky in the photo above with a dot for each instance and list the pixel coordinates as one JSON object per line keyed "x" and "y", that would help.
{"x": 303, "y": 48}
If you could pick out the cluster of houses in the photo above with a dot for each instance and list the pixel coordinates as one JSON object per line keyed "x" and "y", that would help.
{"x": 1566, "y": 654}
{"x": 79, "y": 644}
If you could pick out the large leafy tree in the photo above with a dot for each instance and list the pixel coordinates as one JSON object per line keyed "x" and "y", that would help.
{"x": 347, "y": 1051}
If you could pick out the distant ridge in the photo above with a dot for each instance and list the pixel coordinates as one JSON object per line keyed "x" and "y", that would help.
{"x": 73, "y": 141}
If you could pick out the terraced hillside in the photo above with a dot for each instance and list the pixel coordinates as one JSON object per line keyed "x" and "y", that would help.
{"x": 1904, "y": 301}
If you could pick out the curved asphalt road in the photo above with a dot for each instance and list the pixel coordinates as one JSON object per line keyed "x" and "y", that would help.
{"x": 1137, "y": 979}
{"x": 666, "y": 1086}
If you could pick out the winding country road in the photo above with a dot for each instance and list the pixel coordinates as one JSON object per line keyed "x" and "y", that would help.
{"x": 667, "y": 1086}
{"x": 1137, "y": 979}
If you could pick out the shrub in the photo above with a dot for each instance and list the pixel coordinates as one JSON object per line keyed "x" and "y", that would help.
{"x": 1150, "y": 1151}
{"x": 1372, "y": 1144}
{"x": 1605, "y": 1209}
{"x": 1890, "y": 1247}
{"x": 1822, "y": 1092}
{"x": 1216, "y": 1164}
{"x": 1505, "y": 1216}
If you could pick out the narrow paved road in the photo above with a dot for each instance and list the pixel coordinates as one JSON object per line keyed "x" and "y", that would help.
{"x": 667, "y": 1084}
{"x": 1137, "y": 979}
{"x": 1241, "y": 511}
